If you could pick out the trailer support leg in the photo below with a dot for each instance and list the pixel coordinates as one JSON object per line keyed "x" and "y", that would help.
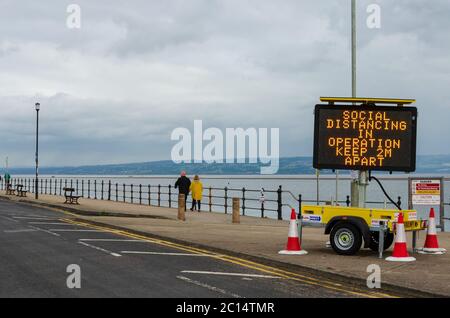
{"x": 381, "y": 234}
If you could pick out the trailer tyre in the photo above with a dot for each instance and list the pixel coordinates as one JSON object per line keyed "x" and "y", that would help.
{"x": 345, "y": 238}
{"x": 373, "y": 244}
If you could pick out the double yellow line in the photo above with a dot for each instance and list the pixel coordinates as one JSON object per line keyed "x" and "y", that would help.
{"x": 242, "y": 262}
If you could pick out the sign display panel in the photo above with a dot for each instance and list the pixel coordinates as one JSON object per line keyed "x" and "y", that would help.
{"x": 348, "y": 137}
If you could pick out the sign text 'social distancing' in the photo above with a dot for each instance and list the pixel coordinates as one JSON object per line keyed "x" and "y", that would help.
{"x": 365, "y": 138}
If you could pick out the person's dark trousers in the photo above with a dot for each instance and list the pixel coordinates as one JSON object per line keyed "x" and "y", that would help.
{"x": 185, "y": 200}
{"x": 196, "y": 203}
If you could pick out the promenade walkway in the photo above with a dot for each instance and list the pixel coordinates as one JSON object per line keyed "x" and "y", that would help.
{"x": 259, "y": 238}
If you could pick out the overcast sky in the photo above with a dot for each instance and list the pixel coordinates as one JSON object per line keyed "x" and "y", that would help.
{"x": 113, "y": 90}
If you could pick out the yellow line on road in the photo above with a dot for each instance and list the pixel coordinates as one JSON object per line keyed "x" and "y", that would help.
{"x": 241, "y": 262}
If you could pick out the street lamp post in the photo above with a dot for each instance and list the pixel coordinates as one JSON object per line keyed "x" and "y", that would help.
{"x": 38, "y": 106}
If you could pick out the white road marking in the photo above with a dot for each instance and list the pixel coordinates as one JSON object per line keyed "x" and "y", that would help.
{"x": 72, "y": 230}
{"x": 35, "y": 218}
{"x": 19, "y": 231}
{"x": 43, "y": 230}
{"x": 111, "y": 240}
{"x": 50, "y": 223}
{"x": 100, "y": 249}
{"x": 231, "y": 274}
{"x": 8, "y": 218}
{"x": 169, "y": 254}
{"x": 212, "y": 288}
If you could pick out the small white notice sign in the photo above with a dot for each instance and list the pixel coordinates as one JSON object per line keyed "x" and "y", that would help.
{"x": 426, "y": 192}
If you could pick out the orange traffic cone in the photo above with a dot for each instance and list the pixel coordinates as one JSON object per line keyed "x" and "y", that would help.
{"x": 293, "y": 246}
{"x": 431, "y": 242}
{"x": 400, "y": 253}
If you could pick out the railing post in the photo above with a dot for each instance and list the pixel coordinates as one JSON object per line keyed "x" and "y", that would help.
{"x": 103, "y": 183}
{"x": 399, "y": 202}
{"x": 299, "y": 215}
{"x": 131, "y": 193}
{"x": 95, "y": 189}
{"x": 49, "y": 187}
{"x": 124, "y": 188}
{"x": 89, "y": 188}
{"x": 262, "y": 209}
{"x": 109, "y": 190}
{"x": 149, "y": 195}
{"x": 170, "y": 195}
{"x": 159, "y": 195}
{"x": 140, "y": 194}
{"x": 76, "y": 186}
{"x": 279, "y": 203}
{"x": 42, "y": 186}
{"x": 117, "y": 192}
{"x": 226, "y": 200}
{"x": 348, "y": 201}
{"x": 82, "y": 188}
{"x": 210, "y": 199}
{"x": 243, "y": 201}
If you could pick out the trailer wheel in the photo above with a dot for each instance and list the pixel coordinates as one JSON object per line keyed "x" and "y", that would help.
{"x": 345, "y": 238}
{"x": 374, "y": 236}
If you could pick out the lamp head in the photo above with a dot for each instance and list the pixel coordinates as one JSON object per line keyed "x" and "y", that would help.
{"x": 38, "y": 106}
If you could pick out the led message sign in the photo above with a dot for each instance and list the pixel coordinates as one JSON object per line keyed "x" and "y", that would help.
{"x": 365, "y": 138}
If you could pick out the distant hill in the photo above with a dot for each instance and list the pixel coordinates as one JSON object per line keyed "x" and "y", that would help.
{"x": 288, "y": 166}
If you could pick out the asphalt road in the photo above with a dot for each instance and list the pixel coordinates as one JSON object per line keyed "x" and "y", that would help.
{"x": 37, "y": 245}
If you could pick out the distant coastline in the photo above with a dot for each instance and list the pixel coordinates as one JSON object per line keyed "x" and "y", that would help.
{"x": 435, "y": 164}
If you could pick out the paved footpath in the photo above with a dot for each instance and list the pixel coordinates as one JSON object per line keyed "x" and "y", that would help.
{"x": 250, "y": 247}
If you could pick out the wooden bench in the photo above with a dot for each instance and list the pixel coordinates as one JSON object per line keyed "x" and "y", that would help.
{"x": 20, "y": 191}
{"x": 10, "y": 190}
{"x": 70, "y": 198}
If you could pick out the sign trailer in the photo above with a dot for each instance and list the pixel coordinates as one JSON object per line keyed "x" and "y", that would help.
{"x": 358, "y": 135}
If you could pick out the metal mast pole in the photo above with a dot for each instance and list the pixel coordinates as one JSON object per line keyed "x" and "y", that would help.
{"x": 353, "y": 48}
{"x": 359, "y": 186}
{"x": 36, "y": 190}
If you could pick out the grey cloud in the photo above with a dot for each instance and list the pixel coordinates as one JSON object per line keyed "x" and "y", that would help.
{"x": 115, "y": 89}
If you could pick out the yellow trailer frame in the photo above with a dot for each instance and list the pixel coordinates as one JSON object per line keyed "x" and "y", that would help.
{"x": 372, "y": 217}
{"x": 368, "y": 221}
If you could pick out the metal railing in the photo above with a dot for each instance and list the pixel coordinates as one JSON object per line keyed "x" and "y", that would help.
{"x": 262, "y": 202}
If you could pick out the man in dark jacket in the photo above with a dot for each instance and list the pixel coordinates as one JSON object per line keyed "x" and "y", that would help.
{"x": 183, "y": 183}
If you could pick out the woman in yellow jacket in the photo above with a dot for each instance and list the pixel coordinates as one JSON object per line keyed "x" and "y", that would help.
{"x": 196, "y": 189}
